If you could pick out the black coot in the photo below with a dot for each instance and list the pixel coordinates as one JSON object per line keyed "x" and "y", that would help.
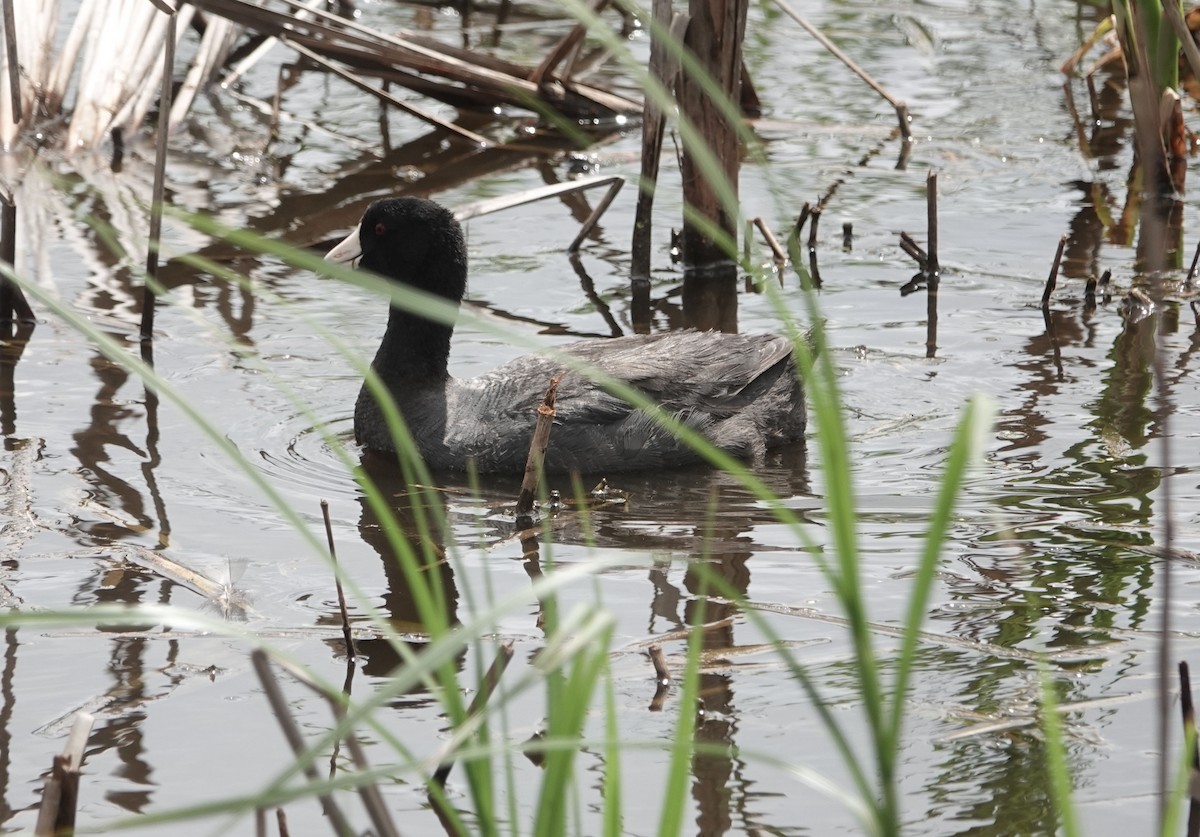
{"x": 741, "y": 391}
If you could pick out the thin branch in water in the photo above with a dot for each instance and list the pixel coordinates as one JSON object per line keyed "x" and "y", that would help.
{"x": 13, "y": 305}
{"x": 1191, "y": 274}
{"x": 14, "y": 67}
{"x": 385, "y": 96}
{"x": 291, "y": 732}
{"x": 662, "y": 678}
{"x": 663, "y": 67}
{"x": 1189, "y": 734}
{"x": 490, "y": 681}
{"x": 537, "y": 450}
{"x": 369, "y": 791}
{"x": 897, "y": 105}
{"x": 776, "y": 250}
{"x": 156, "y": 196}
{"x": 931, "y": 226}
{"x": 351, "y": 651}
{"x": 815, "y": 219}
{"x": 60, "y": 795}
{"x": 1052, "y": 279}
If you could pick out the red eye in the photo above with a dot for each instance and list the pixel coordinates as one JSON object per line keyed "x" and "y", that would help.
{"x": 380, "y": 229}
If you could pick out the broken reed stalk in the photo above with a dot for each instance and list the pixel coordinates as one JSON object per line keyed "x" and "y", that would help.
{"x": 14, "y": 67}
{"x": 1188, "y": 709}
{"x": 369, "y": 791}
{"x": 776, "y": 250}
{"x": 663, "y": 67}
{"x": 60, "y": 796}
{"x": 1052, "y": 279}
{"x": 814, "y": 217}
{"x": 931, "y": 225}
{"x": 418, "y": 63}
{"x": 897, "y": 105}
{"x": 491, "y": 680}
{"x": 384, "y": 96}
{"x": 351, "y": 652}
{"x": 1191, "y": 274}
{"x": 13, "y": 305}
{"x": 590, "y": 222}
{"x": 559, "y": 52}
{"x": 537, "y": 449}
{"x": 662, "y": 678}
{"x": 932, "y": 268}
{"x": 714, "y": 35}
{"x": 291, "y": 733}
{"x": 805, "y": 211}
{"x": 662, "y": 674}
{"x": 160, "y": 166}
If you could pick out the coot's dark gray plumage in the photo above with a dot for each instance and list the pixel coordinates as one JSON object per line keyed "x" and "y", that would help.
{"x": 741, "y": 391}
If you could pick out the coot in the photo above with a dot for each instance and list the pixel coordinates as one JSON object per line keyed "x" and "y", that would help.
{"x": 741, "y": 391}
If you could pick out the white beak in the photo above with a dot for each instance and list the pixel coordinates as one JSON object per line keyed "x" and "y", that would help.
{"x": 349, "y": 249}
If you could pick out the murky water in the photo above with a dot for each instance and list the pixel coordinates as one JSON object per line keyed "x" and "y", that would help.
{"x": 1049, "y": 544}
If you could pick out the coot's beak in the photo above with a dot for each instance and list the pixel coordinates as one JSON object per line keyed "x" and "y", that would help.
{"x": 348, "y": 250}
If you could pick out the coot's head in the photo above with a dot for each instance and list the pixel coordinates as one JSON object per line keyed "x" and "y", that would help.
{"x": 411, "y": 240}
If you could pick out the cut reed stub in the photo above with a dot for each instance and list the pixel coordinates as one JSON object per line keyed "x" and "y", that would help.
{"x": 662, "y": 678}
{"x": 1052, "y": 279}
{"x": 537, "y": 448}
{"x": 662, "y": 674}
{"x": 60, "y": 795}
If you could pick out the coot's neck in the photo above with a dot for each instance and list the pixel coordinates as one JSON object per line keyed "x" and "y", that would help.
{"x": 414, "y": 352}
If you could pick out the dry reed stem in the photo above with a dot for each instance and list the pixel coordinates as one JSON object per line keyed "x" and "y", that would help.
{"x": 1052, "y": 279}
{"x": 398, "y": 58}
{"x": 899, "y": 106}
{"x": 351, "y": 651}
{"x": 60, "y": 795}
{"x": 537, "y": 448}
{"x": 772, "y": 242}
{"x": 291, "y": 732}
{"x": 491, "y": 680}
